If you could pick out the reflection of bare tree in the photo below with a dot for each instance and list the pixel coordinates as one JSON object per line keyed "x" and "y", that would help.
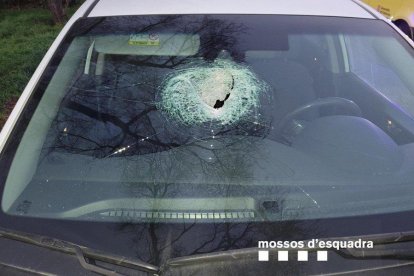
{"x": 113, "y": 117}
{"x": 104, "y": 113}
{"x": 156, "y": 241}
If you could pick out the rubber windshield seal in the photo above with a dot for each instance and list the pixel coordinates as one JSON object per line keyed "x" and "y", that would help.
{"x": 90, "y": 8}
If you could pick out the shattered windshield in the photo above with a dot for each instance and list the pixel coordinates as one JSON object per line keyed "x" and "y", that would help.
{"x": 225, "y": 118}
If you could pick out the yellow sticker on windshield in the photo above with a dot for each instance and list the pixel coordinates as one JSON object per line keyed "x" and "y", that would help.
{"x": 144, "y": 40}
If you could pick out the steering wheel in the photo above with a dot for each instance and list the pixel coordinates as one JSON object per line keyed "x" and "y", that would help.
{"x": 351, "y": 106}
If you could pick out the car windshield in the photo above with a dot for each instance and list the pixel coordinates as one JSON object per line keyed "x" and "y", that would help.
{"x": 218, "y": 118}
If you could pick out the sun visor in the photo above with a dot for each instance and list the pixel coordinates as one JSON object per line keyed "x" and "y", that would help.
{"x": 148, "y": 44}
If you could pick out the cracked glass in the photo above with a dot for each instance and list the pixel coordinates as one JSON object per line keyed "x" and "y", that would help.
{"x": 215, "y": 117}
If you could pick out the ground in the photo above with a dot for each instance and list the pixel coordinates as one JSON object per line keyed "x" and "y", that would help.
{"x": 25, "y": 36}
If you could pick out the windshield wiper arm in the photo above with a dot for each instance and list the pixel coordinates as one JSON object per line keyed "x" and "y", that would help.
{"x": 81, "y": 252}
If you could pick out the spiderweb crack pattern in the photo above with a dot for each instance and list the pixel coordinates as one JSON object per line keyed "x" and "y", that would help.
{"x": 188, "y": 95}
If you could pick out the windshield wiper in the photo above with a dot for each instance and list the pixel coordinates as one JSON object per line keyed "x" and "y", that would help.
{"x": 386, "y": 246}
{"x": 81, "y": 253}
{"x": 385, "y": 241}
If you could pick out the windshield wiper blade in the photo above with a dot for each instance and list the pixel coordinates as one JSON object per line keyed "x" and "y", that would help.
{"x": 386, "y": 246}
{"x": 84, "y": 252}
{"x": 384, "y": 240}
{"x": 81, "y": 253}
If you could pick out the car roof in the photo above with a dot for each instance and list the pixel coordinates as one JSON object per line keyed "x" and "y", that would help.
{"x": 342, "y": 8}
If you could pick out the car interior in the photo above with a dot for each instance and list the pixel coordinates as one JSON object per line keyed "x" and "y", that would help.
{"x": 319, "y": 122}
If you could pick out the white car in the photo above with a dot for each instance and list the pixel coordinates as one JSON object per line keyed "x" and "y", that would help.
{"x": 196, "y": 137}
